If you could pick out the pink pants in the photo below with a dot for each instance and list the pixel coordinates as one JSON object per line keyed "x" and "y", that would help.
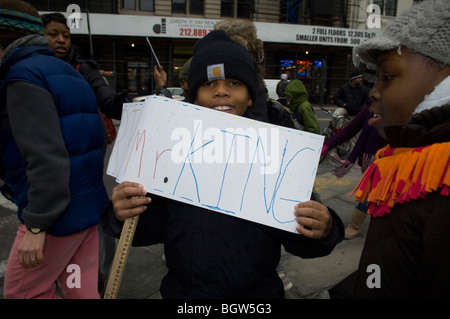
{"x": 79, "y": 250}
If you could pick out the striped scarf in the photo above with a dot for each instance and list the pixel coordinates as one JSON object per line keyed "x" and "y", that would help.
{"x": 399, "y": 175}
{"x": 20, "y": 22}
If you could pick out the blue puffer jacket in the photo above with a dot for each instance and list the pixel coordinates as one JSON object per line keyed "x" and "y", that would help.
{"x": 82, "y": 131}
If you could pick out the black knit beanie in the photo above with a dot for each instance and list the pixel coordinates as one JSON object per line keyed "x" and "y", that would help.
{"x": 355, "y": 74}
{"x": 217, "y": 56}
{"x": 20, "y": 16}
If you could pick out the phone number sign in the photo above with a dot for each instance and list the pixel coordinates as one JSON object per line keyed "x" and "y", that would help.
{"x": 184, "y": 28}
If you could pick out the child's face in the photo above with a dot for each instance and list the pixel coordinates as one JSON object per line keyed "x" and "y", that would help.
{"x": 403, "y": 81}
{"x": 229, "y": 95}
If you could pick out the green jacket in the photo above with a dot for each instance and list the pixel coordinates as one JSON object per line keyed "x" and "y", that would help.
{"x": 305, "y": 115}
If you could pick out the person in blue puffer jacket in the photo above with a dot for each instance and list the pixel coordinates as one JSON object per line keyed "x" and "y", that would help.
{"x": 52, "y": 142}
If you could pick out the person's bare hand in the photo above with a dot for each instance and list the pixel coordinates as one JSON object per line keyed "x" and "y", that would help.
{"x": 160, "y": 76}
{"x": 31, "y": 249}
{"x": 314, "y": 219}
{"x": 128, "y": 199}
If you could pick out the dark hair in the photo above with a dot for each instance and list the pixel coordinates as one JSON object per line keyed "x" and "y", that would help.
{"x": 56, "y": 17}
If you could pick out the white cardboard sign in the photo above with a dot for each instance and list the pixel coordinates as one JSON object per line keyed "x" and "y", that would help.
{"x": 222, "y": 162}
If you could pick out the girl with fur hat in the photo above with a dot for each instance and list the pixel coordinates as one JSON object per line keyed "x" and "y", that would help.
{"x": 408, "y": 186}
{"x": 212, "y": 255}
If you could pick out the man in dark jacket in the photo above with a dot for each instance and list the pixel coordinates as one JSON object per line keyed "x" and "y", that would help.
{"x": 352, "y": 96}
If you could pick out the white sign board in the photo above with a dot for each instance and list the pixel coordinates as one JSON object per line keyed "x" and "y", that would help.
{"x": 192, "y": 28}
{"x": 318, "y": 35}
{"x": 218, "y": 161}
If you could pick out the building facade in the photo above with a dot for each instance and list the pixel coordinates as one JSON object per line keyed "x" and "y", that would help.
{"x": 314, "y": 36}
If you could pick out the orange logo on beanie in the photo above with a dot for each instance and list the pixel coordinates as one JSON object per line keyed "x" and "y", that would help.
{"x": 215, "y": 72}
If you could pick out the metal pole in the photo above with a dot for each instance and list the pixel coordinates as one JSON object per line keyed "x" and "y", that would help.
{"x": 114, "y": 63}
{"x": 90, "y": 36}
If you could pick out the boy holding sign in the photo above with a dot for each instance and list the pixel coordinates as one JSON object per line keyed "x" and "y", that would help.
{"x": 213, "y": 255}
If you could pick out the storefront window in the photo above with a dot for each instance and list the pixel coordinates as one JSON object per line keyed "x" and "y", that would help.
{"x": 129, "y": 4}
{"x": 178, "y": 6}
{"x": 94, "y": 6}
{"x": 388, "y": 7}
{"x": 244, "y": 9}
{"x": 196, "y": 6}
{"x": 227, "y": 8}
{"x": 138, "y": 77}
{"x": 146, "y": 5}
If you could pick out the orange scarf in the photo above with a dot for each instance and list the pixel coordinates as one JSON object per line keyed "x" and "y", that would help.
{"x": 401, "y": 174}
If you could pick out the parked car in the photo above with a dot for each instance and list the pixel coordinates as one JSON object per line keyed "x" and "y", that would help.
{"x": 177, "y": 94}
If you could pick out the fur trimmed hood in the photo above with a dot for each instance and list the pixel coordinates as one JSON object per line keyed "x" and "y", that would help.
{"x": 243, "y": 32}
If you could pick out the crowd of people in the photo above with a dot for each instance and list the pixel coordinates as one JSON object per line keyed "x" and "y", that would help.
{"x": 54, "y": 172}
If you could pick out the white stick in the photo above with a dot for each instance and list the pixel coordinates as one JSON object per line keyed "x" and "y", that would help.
{"x": 154, "y": 54}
